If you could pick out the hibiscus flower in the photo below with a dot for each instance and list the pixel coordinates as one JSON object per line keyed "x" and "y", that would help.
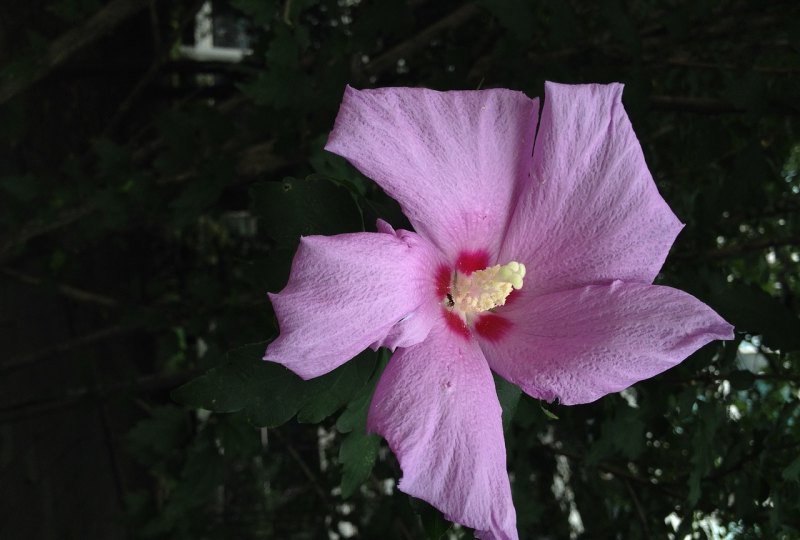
{"x": 532, "y": 259}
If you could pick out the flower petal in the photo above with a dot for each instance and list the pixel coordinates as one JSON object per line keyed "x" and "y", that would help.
{"x": 436, "y": 406}
{"x": 593, "y": 213}
{"x": 455, "y": 161}
{"x": 581, "y": 344}
{"x": 411, "y": 329}
{"x": 348, "y": 291}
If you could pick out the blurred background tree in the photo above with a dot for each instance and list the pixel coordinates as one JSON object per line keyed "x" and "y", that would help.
{"x": 159, "y": 161}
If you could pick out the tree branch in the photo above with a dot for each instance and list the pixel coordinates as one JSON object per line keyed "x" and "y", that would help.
{"x": 639, "y": 510}
{"x": 703, "y": 105}
{"x": 102, "y": 22}
{"x": 39, "y": 355}
{"x": 162, "y": 52}
{"x": 73, "y": 293}
{"x": 309, "y": 474}
{"x": 616, "y": 471}
{"x": 147, "y": 384}
{"x": 421, "y": 39}
{"x": 38, "y": 227}
{"x": 254, "y": 160}
{"x": 724, "y": 66}
{"x": 692, "y": 104}
{"x": 739, "y": 249}
{"x": 710, "y": 378}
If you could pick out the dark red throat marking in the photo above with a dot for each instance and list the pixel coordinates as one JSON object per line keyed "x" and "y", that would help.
{"x": 492, "y": 327}
{"x": 455, "y": 323}
{"x": 442, "y": 281}
{"x": 471, "y": 261}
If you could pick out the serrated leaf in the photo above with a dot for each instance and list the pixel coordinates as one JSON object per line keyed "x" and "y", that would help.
{"x": 357, "y": 455}
{"x": 299, "y": 207}
{"x": 202, "y": 472}
{"x": 154, "y": 438}
{"x": 433, "y": 522}
{"x": 329, "y": 393}
{"x": 508, "y": 394}
{"x": 358, "y": 450}
{"x": 237, "y": 437}
{"x": 355, "y": 415}
{"x": 268, "y": 393}
{"x": 703, "y": 444}
{"x": 622, "y": 433}
{"x": 792, "y": 472}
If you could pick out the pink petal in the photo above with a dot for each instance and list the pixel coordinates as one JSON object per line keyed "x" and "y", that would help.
{"x": 412, "y": 329}
{"x": 436, "y": 406}
{"x": 348, "y": 291}
{"x": 581, "y": 344}
{"x": 592, "y": 213}
{"x": 453, "y": 160}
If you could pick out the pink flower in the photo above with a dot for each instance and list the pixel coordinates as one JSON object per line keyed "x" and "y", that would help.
{"x": 532, "y": 260}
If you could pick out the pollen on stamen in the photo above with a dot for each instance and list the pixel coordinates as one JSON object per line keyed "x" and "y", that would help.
{"x": 487, "y": 289}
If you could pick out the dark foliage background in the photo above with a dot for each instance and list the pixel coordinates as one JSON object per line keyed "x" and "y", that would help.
{"x": 149, "y": 200}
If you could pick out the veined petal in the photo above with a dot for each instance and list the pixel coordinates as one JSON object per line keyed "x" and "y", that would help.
{"x": 411, "y": 329}
{"x": 436, "y": 406}
{"x": 581, "y": 344}
{"x": 348, "y": 291}
{"x": 455, "y": 161}
{"x": 593, "y": 213}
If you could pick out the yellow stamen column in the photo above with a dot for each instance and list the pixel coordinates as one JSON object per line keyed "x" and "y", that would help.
{"x": 486, "y": 289}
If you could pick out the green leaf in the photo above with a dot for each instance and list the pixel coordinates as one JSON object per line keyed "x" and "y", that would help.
{"x": 355, "y": 415}
{"x": 237, "y": 437}
{"x": 548, "y": 413}
{"x": 703, "y": 444}
{"x": 112, "y": 159}
{"x": 329, "y": 393}
{"x": 433, "y": 522}
{"x": 296, "y": 207}
{"x": 267, "y": 392}
{"x": 792, "y": 472}
{"x": 358, "y": 450}
{"x": 508, "y": 394}
{"x": 199, "y": 195}
{"x": 357, "y": 455}
{"x": 752, "y": 310}
{"x": 202, "y": 472}
{"x": 621, "y": 433}
{"x": 517, "y": 16}
{"x": 154, "y": 439}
